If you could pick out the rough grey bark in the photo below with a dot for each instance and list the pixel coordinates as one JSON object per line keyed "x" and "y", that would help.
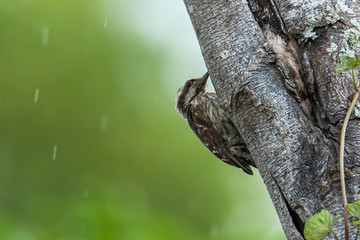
{"x": 272, "y": 64}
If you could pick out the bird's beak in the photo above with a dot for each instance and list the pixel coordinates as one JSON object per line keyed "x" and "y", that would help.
{"x": 203, "y": 80}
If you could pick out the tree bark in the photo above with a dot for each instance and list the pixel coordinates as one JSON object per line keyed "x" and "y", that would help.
{"x": 272, "y": 64}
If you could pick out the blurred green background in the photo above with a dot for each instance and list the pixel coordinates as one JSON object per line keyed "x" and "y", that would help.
{"x": 91, "y": 146}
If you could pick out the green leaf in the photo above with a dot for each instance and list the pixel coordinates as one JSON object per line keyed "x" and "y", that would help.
{"x": 346, "y": 64}
{"x": 334, "y": 222}
{"x": 318, "y": 226}
{"x": 355, "y": 223}
{"x": 354, "y": 209}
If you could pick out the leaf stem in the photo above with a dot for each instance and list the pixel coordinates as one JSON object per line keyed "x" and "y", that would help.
{"x": 336, "y": 237}
{"x": 342, "y": 172}
{"x": 354, "y": 80}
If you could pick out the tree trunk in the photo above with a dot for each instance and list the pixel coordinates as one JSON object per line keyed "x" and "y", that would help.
{"x": 272, "y": 64}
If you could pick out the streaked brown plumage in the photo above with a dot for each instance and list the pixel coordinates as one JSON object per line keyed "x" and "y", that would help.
{"x": 211, "y": 123}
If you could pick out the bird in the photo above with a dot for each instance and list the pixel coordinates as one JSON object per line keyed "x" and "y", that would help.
{"x": 212, "y": 124}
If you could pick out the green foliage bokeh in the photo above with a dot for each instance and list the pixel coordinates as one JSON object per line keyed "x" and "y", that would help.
{"x": 127, "y": 166}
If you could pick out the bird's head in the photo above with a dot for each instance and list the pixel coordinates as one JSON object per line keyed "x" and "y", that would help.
{"x": 188, "y": 92}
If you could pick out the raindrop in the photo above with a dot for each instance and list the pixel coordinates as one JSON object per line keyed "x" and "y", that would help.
{"x": 36, "y": 95}
{"x": 45, "y": 36}
{"x": 54, "y": 152}
{"x": 86, "y": 194}
{"x": 214, "y": 231}
{"x": 104, "y": 122}
{"x": 105, "y": 23}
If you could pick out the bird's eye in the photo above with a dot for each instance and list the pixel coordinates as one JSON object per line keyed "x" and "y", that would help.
{"x": 188, "y": 84}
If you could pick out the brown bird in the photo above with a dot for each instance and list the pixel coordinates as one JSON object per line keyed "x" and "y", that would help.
{"x": 212, "y": 124}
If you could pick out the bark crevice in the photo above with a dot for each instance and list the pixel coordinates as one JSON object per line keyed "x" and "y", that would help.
{"x": 298, "y": 223}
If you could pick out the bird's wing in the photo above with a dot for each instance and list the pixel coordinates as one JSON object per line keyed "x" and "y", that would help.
{"x": 206, "y": 132}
